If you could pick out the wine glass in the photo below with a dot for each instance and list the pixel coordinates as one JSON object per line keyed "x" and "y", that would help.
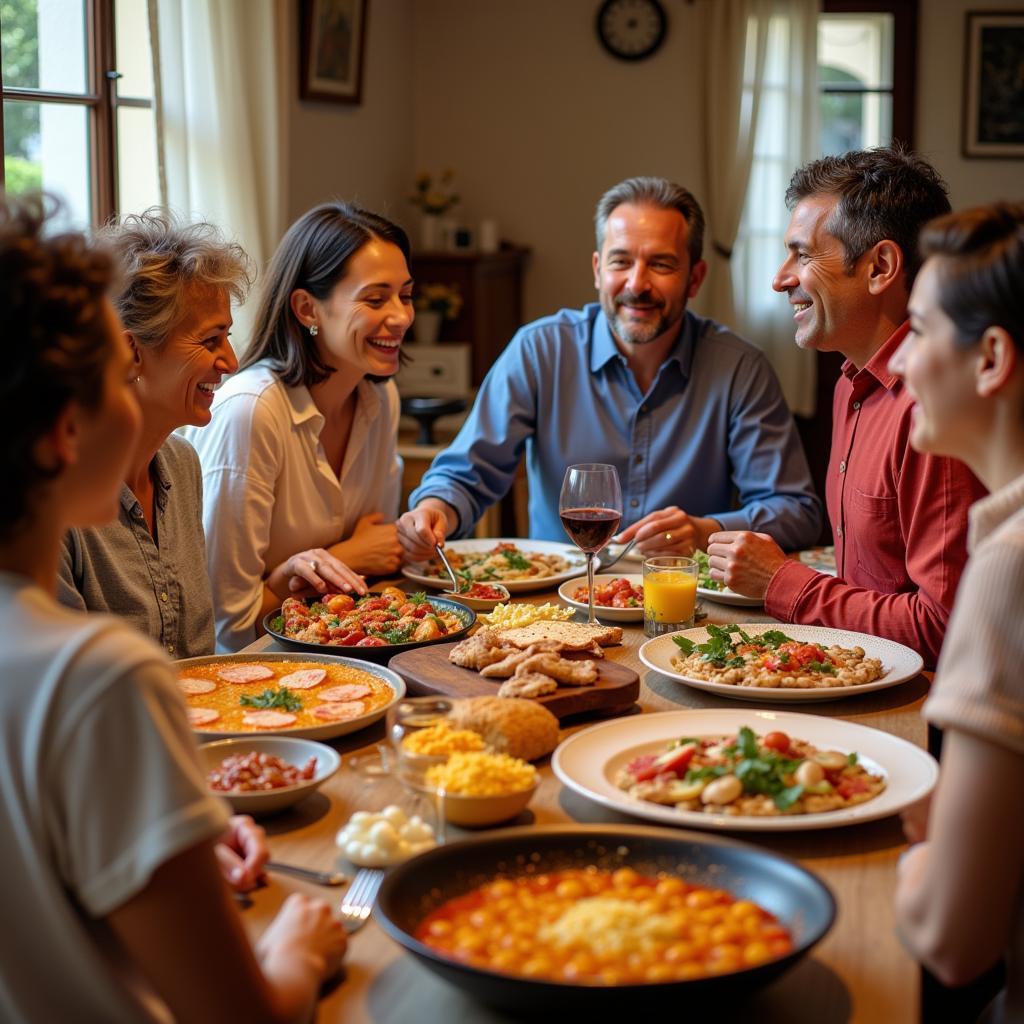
{"x": 590, "y": 507}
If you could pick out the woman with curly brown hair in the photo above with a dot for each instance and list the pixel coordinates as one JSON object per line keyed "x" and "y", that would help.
{"x": 174, "y": 298}
{"x": 109, "y": 832}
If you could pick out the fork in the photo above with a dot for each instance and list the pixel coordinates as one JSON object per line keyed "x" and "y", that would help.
{"x": 357, "y": 903}
{"x": 606, "y": 561}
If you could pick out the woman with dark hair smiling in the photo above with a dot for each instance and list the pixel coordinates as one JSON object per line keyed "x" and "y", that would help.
{"x": 960, "y": 903}
{"x": 108, "y": 858}
{"x": 300, "y": 468}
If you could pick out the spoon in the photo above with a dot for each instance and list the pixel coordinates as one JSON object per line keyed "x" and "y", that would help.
{"x": 320, "y": 877}
{"x": 451, "y": 571}
{"x": 604, "y": 563}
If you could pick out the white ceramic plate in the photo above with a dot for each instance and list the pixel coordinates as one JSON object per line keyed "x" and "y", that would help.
{"x": 544, "y": 547}
{"x": 728, "y": 596}
{"x": 289, "y": 749}
{"x": 312, "y": 732}
{"x": 588, "y": 761}
{"x": 901, "y": 663}
{"x": 608, "y": 614}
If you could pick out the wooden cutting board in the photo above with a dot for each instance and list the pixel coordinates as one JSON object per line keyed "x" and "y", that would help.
{"x": 427, "y": 672}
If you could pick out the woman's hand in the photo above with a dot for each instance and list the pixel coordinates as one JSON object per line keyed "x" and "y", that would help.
{"x": 373, "y": 548}
{"x": 242, "y": 852}
{"x": 427, "y": 525}
{"x": 303, "y": 946}
{"x": 315, "y": 571}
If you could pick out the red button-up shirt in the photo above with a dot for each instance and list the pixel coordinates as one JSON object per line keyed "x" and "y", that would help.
{"x": 899, "y": 519}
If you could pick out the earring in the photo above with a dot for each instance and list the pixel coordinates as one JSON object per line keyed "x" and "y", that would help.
{"x": 313, "y": 330}
{"x": 136, "y": 380}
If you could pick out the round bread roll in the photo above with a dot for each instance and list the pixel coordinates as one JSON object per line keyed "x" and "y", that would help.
{"x": 520, "y": 728}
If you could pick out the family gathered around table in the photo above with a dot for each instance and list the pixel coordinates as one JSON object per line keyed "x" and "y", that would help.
{"x": 166, "y": 498}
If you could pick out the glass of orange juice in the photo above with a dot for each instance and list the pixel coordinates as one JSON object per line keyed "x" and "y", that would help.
{"x": 670, "y": 594}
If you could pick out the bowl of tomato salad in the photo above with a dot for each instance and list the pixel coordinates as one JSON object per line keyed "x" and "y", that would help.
{"x": 617, "y": 598}
{"x": 373, "y": 627}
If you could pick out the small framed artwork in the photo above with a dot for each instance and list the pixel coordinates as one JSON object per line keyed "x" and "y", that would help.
{"x": 993, "y": 121}
{"x": 332, "y": 34}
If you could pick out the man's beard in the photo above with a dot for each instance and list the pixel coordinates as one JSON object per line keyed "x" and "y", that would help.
{"x": 631, "y": 332}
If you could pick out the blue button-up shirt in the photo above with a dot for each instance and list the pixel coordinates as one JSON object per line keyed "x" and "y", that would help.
{"x": 712, "y": 434}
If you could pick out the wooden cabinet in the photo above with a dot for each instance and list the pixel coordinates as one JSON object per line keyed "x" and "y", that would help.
{"x": 492, "y": 290}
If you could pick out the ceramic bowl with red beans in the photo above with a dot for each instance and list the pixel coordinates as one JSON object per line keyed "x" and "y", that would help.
{"x": 266, "y": 774}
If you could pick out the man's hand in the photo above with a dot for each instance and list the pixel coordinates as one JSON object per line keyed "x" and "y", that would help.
{"x": 744, "y": 561}
{"x": 428, "y": 524}
{"x": 242, "y": 852}
{"x": 669, "y": 531}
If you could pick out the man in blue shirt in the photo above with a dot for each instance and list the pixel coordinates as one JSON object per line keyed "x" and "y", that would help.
{"x": 691, "y": 415}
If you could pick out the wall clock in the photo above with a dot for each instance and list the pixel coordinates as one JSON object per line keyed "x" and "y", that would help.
{"x": 631, "y": 29}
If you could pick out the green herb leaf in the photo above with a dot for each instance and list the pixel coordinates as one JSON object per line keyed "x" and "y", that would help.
{"x": 685, "y": 644}
{"x": 748, "y": 742}
{"x": 710, "y": 772}
{"x": 277, "y": 624}
{"x": 785, "y": 798}
{"x": 516, "y": 560}
{"x": 282, "y": 698}
{"x": 826, "y": 668}
{"x": 420, "y": 597}
{"x": 774, "y": 638}
{"x": 852, "y": 758}
{"x": 317, "y": 608}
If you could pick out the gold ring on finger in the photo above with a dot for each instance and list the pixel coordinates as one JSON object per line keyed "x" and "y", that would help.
{"x": 313, "y": 564}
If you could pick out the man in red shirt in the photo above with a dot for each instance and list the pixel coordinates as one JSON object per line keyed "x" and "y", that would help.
{"x": 899, "y": 518}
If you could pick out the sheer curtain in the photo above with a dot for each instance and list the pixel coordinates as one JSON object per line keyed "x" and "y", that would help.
{"x": 736, "y": 49}
{"x": 785, "y": 137}
{"x": 220, "y": 133}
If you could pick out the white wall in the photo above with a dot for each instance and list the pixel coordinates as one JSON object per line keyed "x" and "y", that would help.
{"x": 362, "y": 152}
{"x": 537, "y": 120}
{"x": 940, "y": 83}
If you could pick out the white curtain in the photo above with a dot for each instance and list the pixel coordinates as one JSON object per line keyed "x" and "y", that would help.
{"x": 220, "y": 132}
{"x": 786, "y": 136}
{"x": 737, "y": 41}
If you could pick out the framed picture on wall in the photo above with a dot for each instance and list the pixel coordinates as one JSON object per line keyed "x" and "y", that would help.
{"x": 993, "y": 121}
{"x": 332, "y": 34}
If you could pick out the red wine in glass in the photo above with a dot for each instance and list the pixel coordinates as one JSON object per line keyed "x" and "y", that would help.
{"x": 590, "y": 528}
{"x": 590, "y": 507}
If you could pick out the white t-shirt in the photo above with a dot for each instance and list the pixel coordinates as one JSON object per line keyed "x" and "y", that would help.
{"x": 99, "y": 786}
{"x": 269, "y": 491}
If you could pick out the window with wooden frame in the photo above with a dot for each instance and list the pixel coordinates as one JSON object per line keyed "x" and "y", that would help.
{"x": 867, "y": 63}
{"x": 76, "y": 79}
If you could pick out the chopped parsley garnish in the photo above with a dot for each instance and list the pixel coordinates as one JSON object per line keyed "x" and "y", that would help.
{"x": 277, "y": 624}
{"x": 515, "y": 560}
{"x": 398, "y": 635}
{"x": 420, "y": 597}
{"x": 851, "y": 759}
{"x": 718, "y": 650}
{"x": 774, "y": 638}
{"x": 282, "y": 699}
{"x": 317, "y": 608}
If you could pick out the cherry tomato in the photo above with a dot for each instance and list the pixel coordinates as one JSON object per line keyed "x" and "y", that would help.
{"x": 777, "y": 741}
{"x": 340, "y": 603}
{"x": 371, "y": 641}
{"x": 352, "y": 638}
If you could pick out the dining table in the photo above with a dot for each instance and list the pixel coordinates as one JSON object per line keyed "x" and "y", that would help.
{"x": 859, "y": 972}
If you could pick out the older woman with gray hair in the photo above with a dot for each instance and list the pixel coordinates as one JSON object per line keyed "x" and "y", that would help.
{"x": 149, "y": 565}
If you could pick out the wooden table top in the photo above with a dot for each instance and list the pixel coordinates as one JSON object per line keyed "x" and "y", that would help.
{"x": 860, "y": 972}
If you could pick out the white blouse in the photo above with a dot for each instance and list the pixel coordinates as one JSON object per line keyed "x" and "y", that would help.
{"x": 269, "y": 491}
